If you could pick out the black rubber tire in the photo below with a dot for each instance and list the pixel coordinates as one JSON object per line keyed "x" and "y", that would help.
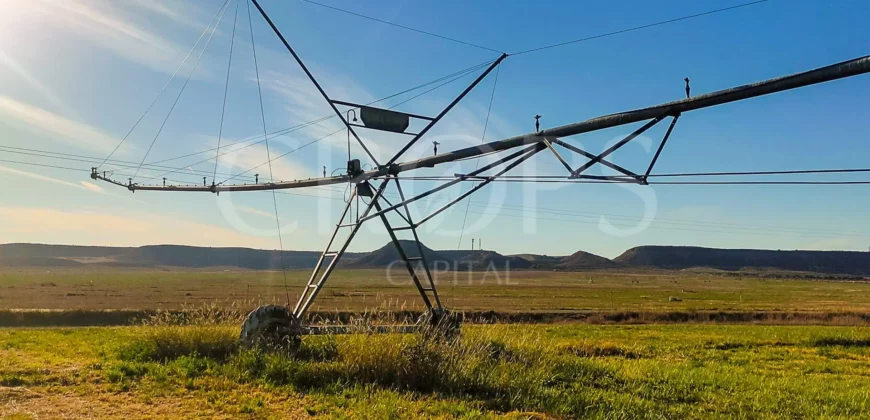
{"x": 270, "y": 326}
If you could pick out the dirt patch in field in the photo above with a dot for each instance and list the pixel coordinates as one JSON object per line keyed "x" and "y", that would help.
{"x": 94, "y": 402}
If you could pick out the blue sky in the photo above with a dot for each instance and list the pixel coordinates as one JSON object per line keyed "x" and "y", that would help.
{"x": 76, "y": 75}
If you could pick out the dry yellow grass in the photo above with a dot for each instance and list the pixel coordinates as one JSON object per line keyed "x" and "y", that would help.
{"x": 356, "y": 290}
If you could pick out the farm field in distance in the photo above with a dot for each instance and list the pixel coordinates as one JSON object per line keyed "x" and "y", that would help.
{"x": 358, "y": 290}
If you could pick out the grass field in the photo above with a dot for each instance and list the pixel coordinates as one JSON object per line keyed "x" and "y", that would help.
{"x": 517, "y": 371}
{"x": 518, "y": 291}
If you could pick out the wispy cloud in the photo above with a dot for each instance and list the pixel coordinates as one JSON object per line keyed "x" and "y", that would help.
{"x": 29, "y": 224}
{"x": 60, "y": 129}
{"x": 91, "y": 186}
{"x": 255, "y": 212}
{"x": 83, "y": 185}
{"x": 254, "y": 156}
{"x": 183, "y": 13}
{"x": 303, "y": 103}
{"x": 115, "y": 26}
{"x": 25, "y": 75}
{"x": 107, "y": 28}
{"x": 282, "y": 169}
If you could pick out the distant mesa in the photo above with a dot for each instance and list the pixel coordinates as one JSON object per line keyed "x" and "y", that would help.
{"x": 388, "y": 254}
{"x": 582, "y": 260}
{"x": 684, "y": 257}
{"x": 696, "y": 259}
{"x": 460, "y": 260}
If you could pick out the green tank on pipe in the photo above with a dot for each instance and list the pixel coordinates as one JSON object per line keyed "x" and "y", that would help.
{"x": 384, "y": 119}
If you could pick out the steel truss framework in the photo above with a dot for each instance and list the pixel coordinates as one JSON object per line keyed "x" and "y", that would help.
{"x": 530, "y": 144}
{"x": 380, "y": 207}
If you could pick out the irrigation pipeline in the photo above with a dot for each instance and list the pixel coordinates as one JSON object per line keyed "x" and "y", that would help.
{"x": 837, "y": 71}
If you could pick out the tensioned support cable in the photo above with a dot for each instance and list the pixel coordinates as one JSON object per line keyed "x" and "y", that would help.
{"x": 398, "y": 25}
{"x": 637, "y": 28}
{"x": 449, "y": 79}
{"x": 226, "y": 90}
{"x": 313, "y": 80}
{"x": 268, "y": 154}
{"x": 455, "y": 77}
{"x": 482, "y": 139}
{"x": 178, "y": 96}
{"x": 168, "y": 82}
{"x": 452, "y": 77}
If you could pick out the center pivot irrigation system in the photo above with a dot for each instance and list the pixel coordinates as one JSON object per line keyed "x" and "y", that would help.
{"x": 277, "y": 322}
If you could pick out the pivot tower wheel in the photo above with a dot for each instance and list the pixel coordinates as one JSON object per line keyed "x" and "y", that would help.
{"x": 271, "y": 326}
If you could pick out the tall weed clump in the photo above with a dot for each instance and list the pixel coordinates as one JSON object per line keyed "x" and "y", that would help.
{"x": 508, "y": 373}
{"x": 212, "y": 313}
{"x": 208, "y": 331}
{"x": 165, "y": 343}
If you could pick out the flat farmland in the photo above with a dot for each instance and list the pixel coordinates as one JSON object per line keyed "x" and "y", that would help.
{"x": 520, "y": 371}
{"x": 357, "y": 290}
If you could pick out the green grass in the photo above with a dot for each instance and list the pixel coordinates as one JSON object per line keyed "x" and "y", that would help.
{"x": 589, "y": 371}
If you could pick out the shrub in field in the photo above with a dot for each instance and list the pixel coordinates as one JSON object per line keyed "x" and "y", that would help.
{"x": 205, "y": 331}
{"x": 213, "y": 313}
{"x": 841, "y": 341}
{"x": 164, "y": 343}
{"x": 508, "y": 372}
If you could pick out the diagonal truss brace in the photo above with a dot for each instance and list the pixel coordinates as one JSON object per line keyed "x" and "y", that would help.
{"x": 425, "y": 287}
{"x": 526, "y": 153}
{"x": 549, "y": 144}
{"x": 616, "y": 146}
{"x": 659, "y": 150}
{"x": 447, "y": 109}
{"x": 313, "y": 80}
{"x": 586, "y": 154}
{"x": 315, "y": 282}
{"x": 347, "y": 124}
{"x": 409, "y": 262}
{"x": 630, "y": 176}
{"x": 413, "y": 228}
